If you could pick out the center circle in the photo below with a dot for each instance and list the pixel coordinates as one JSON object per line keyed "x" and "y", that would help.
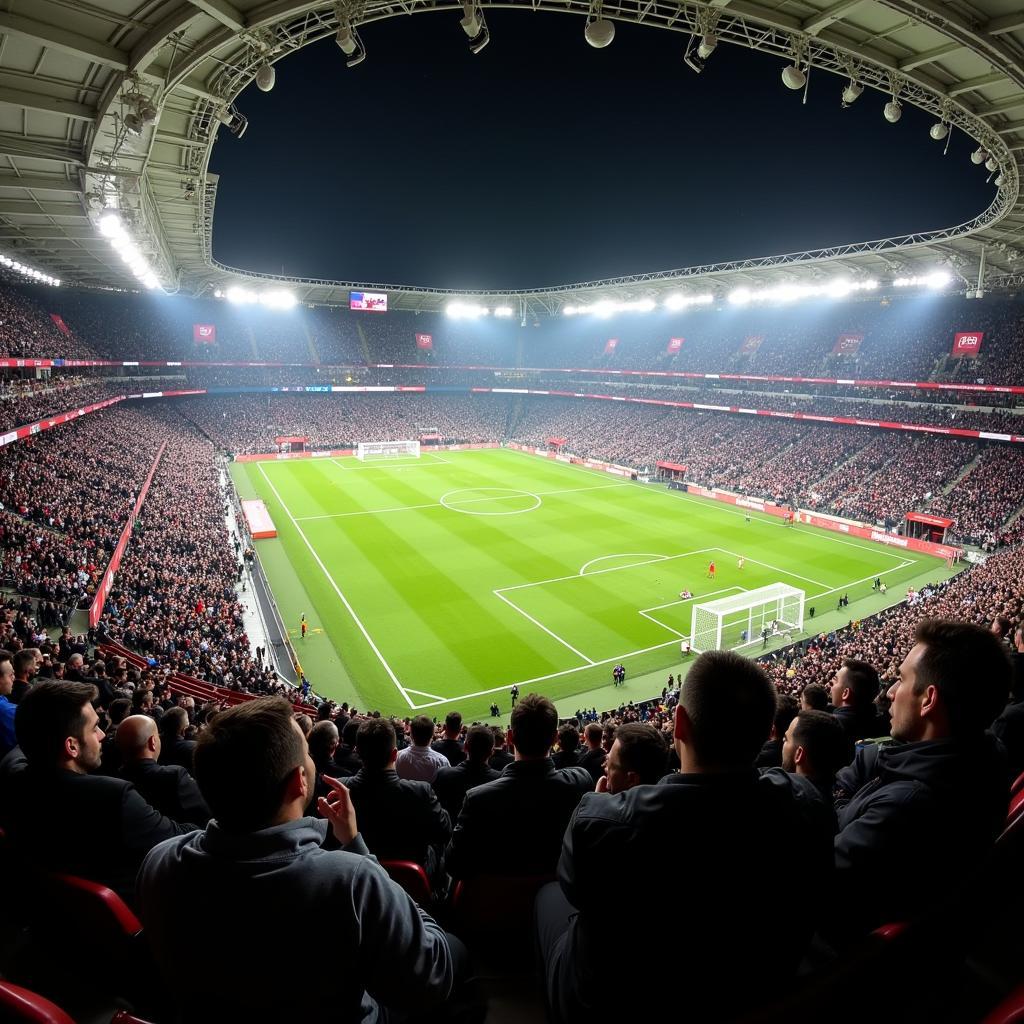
{"x": 474, "y": 501}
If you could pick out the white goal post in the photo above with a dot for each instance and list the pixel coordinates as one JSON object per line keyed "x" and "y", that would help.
{"x": 388, "y": 450}
{"x": 741, "y": 620}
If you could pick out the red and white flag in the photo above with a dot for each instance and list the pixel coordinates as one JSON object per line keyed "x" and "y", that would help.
{"x": 967, "y": 343}
{"x": 847, "y": 344}
{"x": 610, "y": 346}
{"x": 425, "y": 342}
{"x": 204, "y": 334}
{"x": 674, "y": 345}
{"x": 59, "y": 321}
{"x": 751, "y": 343}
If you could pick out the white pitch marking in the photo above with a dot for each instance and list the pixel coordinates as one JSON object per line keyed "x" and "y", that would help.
{"x": 337, "y": 590}
{"x": 768, "y": 565}
{"x": 423, "y": 693}
{"x": 540, "y": 625}
{"x": 648, "y": 555}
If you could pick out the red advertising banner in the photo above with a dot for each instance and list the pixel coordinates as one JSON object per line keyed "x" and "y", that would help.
{"x": 204, "y": 334}
{"x": 751, "y": 343}
{"x": 59, "y": 321}
{"x": 425, "y": 342}
{"x": 674, "y": 345}
{"x": 847, "y": 344}
{"x": 967, "y": 343}
{"x": 610, "y": 346}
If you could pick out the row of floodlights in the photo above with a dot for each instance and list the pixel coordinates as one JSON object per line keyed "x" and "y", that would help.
{"x": 471, "y": 311}
{"x": 113, "y": 229}
{"x": 30, "y": 272}
{"x": 606, "y": 307}
{"x": 274, "y": 298}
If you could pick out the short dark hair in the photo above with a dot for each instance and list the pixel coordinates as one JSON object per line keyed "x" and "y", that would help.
{"x": 349, "y": 733}
{"x": 23, "y": 660}
{"x": 816, "y": 696}
{"x": 453, "y": 721}
{"x": 968, "y": 666}
{"x": 786, "y": 709}
{"x": 821, "y": 735}
{"x": 305, "y": 723}
{"x": 593, "y": 732}
{"x": 172, "y": 721}
{"x": 421, "y": 729}
{"x": 479, "y": 743}
{"x": 862, "y": 679}
{"x": 321, "y": 738}
{"x": 243, "y": 760}
{"x": 48, "y": 714}
{"x": 375, "y": 741}
{"x": 533, "y": 722}
{"x": 499, "y": 735}
{"x": 731, "y": 704}
{"x": 642, "y": 750}
{"x": 569, "y": 738}
{"x": 118, "y": 710}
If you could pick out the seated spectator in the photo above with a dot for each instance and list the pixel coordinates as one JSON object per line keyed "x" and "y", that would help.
{"x": 175, "y": 749}
{"x": 528, "y": 806}
{"x": 815, "y": 746}
{"x": 24, "y": 663}
{"x": 786, "y": 709}
{"x": 168, "y": 788}
{"x": 106, "y": 827}
{"x": 117, "y": 711}
{"x": 450, "y": 747}
{"x": 567, "y": 755}
{"x": 345, "y": 757}
{"x": 400, "y": 819}
{"x": 8, "y": 740}
{"x": 718, "y": 823}
{"x": 853, "y": 699}
{"x": 1009, "y": 726}
{"x": 267, "y": 868}
{"x": 420, "y": 762}
{"x": 452, "y": 784}
{"x": 814, "y": 698}
{"x": 323, "y": 743}
{"x": 936, "y": 799}
{"x": 593, "y": 756}
{"x": 501, "y": 755}
{"x": 638, "y": 757}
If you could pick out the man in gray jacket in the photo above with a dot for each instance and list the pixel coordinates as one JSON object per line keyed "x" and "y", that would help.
{"x": 257, "y": 890}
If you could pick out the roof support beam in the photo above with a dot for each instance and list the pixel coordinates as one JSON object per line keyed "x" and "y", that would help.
{"x": 38, "y": 149}
{"x": 927, "y": 56}
{"x": 1007, "y": 23}
{"x": 1010, "y": 128}
{"x": 35, "y": 183}
{"x": 63, "y": 40}
{"x": 813, "y": 25}
{"x": 998, "y": 107}
{"x": 970, "y": 84}
{"x": 47, "y": 104}
{"x": 227, "y": 14}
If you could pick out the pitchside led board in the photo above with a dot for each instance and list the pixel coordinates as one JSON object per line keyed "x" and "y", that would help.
{"x": 369, "y": 302}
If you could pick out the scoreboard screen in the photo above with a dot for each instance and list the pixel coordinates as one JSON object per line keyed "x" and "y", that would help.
{"x": 372, "y": 302}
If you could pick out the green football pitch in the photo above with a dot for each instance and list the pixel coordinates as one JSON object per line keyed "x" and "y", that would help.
{"x": 438, "y": 582}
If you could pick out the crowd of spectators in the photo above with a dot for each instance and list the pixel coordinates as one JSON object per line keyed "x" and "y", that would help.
{"x": 27, "y": 331}
{"x": 26, "y": 401}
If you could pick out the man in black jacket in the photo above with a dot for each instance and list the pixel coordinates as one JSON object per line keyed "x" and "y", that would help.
{"x": 450, "y": 745}
{"x": 452, "y": 784}
{"x": 729, "y": 835}
{"x": 815, "y": 746}
{"x": 399, "y": 819}
{"x": 933, "y": 802}
{"x": 593, "y": 756}
{"x": 853, "y": 700}
{"x": 167, "y": 787}
{"x": 175, "y": 749}
{"x": 514, "y": 825}
{"x": 60, "y": 817}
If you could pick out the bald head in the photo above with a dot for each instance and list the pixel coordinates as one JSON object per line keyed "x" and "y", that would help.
{"x": 137, "y": 738}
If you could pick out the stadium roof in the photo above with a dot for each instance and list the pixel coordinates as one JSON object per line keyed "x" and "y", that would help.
{"x": 117, "y": 103}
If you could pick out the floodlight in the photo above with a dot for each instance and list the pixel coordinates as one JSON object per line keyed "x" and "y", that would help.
{"x": 265, "y": 77}
{"x": 569, "y": 311}
{"x": 979, "y": 156}
{"x": 150, "y": 280}
{"x": 693, "y": 62}
{"x": 351, "y": 45}
{"x": 937, "y": 279}
{"x": 599, "y": 33}
{"x": 851, "y": 92}
{"x": 739, "y": 296}
{"x": 133, "y": 123}
{"x": 1000, "y": 180}
{"x": 991, "y": 164}
{"x": 793, "y": 77}
{"x": 708, "y": 42}
{"x": 278, "y": 299}
{"x": 504, "y": 311}
{"x": 111, "y": 226}
{"x": 939, "y": 131}
{"x": 893, "y": 110}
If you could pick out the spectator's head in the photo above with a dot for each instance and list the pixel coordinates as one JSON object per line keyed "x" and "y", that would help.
{"x": 349, "y": 733}
{"x": 786, "y": 709}
{"x": 724, "y": 714}
{"x": 954, "y": 682}
{"x": 499, "y": 737}
{"x": 6, "y": 674}
{"x": 142, "y": 701}
{"x": 421, "y": 729}
{"x": 532, "y": 727}
{"x": 568, "y": 739}
{"x": 253, "y": 767}
{"x": 479, "y": 744}
{"x": 592, "y": 735}
{"x": 305, "y": 723}
{"x": 815, "y": 746}
{"x": 24, "y": 665}
{"x": 57, "y": 726}
{"x": 376, "y": 744}
{"x": 1000, "y": 626}
{"x": 814, "y": 698}
{"x": 119, "y": 710}
{"x": 173, "y": 724}
{"x": 452, "y": 725}
{"x": 138, "y": 739}
{"x": 638, "y": 757}
{"x": 855, "y": 686}
{"x": 75, "y": 665}
{"x": 323, "y": 742}
{"x": 607, "y": 736}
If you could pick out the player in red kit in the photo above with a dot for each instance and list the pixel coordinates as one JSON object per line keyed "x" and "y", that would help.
{"x": 711, "y": 570}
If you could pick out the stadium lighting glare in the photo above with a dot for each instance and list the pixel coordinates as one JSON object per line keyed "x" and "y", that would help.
{"x": 30, "y": 272}
{"x": 793, "y": 78}
{"x": 504, "y": 311}
{"x": 609, "y": 307}
{"x": 739, "y": 296}
{"x": 837, "y": 288}
{"x": 240, "y": 296}
{"x": 677, "y": 302}
{"x": 278, "y": 299}
{"x": 893, "y": 110}
{"x": 852, "y": 92}
{"x": 465, "y": 310}
{"x": 111, "y": 226}
{"x": 936, "y": 279}
{"x": 569, "y": 311}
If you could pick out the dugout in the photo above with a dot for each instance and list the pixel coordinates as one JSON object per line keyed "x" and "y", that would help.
{"x": 287, "y": 443}
{"x": 926, "y": 526}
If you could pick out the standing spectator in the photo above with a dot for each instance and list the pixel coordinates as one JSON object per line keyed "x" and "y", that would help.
{"x": 815, "y": 746}
{"x": 24, "y": 663}
{"x": 8, "y": 740}
{"x": 501, "y": 757}
{"x": 593, "y": 756}
{"x": 786, "y": 708}
{"x": 567, "y": 755}
{"x": 853, "y": 697}
{"x": 638, "y": 757}
{"x": 420, "y": 762}
{"x": 450, "y": 747}
{"x": 175, "y": 749}
{"x": 452, "y": 784}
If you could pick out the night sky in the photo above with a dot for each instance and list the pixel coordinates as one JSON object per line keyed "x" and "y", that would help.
{"x": 543, "y": 161}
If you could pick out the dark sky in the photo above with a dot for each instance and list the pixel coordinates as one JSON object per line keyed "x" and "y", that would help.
{"x": 543, "y": 161}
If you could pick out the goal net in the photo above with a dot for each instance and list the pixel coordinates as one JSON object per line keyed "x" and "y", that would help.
{"x": 741, "y": 620}
{"x": 387, "y": 450}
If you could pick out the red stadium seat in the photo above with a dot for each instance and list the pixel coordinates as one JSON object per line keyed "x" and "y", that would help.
{"x": 498, "y": 906}
{"x": 25, "y": 1007}
{"x": 108, "y": 920}
{"x": 411, "y": 877}
{"x": 1009, "y": 1011}
{"x": 1018, "y": 785}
